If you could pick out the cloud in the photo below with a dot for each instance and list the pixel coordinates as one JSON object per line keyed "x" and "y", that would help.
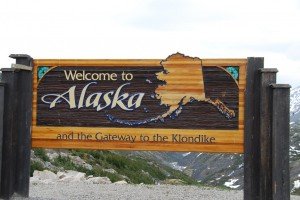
{"x": 154, "y": 29}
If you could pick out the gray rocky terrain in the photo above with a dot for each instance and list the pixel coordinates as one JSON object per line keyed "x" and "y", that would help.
{"x": 76, "y": 185}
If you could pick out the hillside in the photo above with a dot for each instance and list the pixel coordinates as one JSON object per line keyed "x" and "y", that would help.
{"x": 114, "y": 165}
{"x": 227, "y": 169}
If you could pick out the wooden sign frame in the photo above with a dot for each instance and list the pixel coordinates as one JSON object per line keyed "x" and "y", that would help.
{"x": 226, "y": 140}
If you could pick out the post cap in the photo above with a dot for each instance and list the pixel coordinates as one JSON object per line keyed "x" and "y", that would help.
{"x": 16, "y": 56}
{"x": 9, "y": 70}
{"x": 280, "y": 86}
{"x": 268, "y": 70}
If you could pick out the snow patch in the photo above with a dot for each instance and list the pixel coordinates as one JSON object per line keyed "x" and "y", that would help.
{"x": 296, "y": 185}
{"x": 199, "y": 155}
{"x": 175, "y": 165}
{"x": 231, "y": 173}
{"x": 186, "y": 154}
{"x": 231, "y": 183}
{"x": 220, "y": 177}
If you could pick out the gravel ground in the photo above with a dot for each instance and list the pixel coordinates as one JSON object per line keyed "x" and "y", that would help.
{"x": 91, "y": 191}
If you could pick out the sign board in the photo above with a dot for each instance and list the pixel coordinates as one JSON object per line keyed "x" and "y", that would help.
{"x": 180, "y": 103}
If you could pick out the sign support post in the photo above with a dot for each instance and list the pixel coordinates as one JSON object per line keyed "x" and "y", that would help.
{"x": 24, "y": 105}
{"x": 15, "y": 172}
{"x": 2, "y": 88}
{"x": 267, "y": 77}
{"x": 8, "y": 170}
{"x": 251, "y": 136}
{"x": 280, "y": 141}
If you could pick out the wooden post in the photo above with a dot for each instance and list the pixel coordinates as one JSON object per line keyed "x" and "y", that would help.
{"x": 251, "y": 138}
{"x": 2, "y": 85}
{"x": 15, "y": 172}
{"x": 280, "y": 141}
{"x": 24, "y": 110}
{"x": 9, "y": 77}
{"x": 267, "y": 77}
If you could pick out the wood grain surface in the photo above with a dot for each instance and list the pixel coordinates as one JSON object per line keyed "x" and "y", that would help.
{"x": 177, "y": 80}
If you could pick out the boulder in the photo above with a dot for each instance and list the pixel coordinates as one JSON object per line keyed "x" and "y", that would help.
{"x": 45, "y": 175}
{"x": 99, "y": 180}
{"x": 120, "y": 182}
{"x": 174, "y": 182}
{"x": 34, "y": 180}
{"x": 61, "y": 175}
{"x": 72, "y": 176}
{"x": 112, "y": 171}
{"x": 80, "y": 162}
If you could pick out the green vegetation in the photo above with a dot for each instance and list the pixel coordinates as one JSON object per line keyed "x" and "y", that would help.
{"x": 41, "y": 154}
{"x": 138, "y": 170}
{"x": 67, "y": 164}
{"x": 35, "y": 166}
{"x": 296, "y": 192}
{"x": 133, "y": 169}
{"x": 64, "y": 162}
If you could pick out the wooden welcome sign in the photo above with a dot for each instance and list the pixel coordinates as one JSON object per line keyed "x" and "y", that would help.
{"x": 177, "y": 104}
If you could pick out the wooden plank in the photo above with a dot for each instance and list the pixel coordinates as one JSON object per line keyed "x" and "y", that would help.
{"x": 62, "y": 144}
{"x": 267, "y": 77}
{"x": 251, "y": 154}
{"x": 131, "y": 62}
{"x": 280, "y": 141}
{"x": 221, "y": 137}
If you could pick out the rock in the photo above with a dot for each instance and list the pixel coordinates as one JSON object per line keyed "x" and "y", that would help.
{"x": 39, "y": 161}
{"x": 99, "y": 180}
{"x": 52, "y": 155}
{"x": 88, "y": 166}
{"x": 72, "y": 176}
{"x": 174, "y": 182}
{"x": 80, "y": 162}
{"x": 45, "y": 175}
{"x": 120, "y": 182}
{"x": 61, "y": 175}
{"x": 49, "y": 165}
{"x": 112, "y": 171}
{"x": 64, "y": 154}
{"x": 77, "y": 160}
{"x": 90, "y": 176}
{"x": 34, "y": 180}
{"x": 124, "y": 177}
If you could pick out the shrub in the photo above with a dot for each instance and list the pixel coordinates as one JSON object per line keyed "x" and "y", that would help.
{"x": 35, "y": 166}
{"x": 64, "y": 162}
{"x": 41, "y": 153}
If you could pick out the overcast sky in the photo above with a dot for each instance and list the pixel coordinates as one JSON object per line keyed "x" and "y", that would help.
{"x": 155, "y": 29}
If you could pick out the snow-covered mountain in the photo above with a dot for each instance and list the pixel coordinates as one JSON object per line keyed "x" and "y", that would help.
{"x": 227, "y": 169}
{"x": 295, "y": 104}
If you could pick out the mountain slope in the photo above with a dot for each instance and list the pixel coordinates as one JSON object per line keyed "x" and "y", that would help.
{"x": 295, "y": 104}
{"x": 115, "y": 165}
{"x": 227, "y": 169}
